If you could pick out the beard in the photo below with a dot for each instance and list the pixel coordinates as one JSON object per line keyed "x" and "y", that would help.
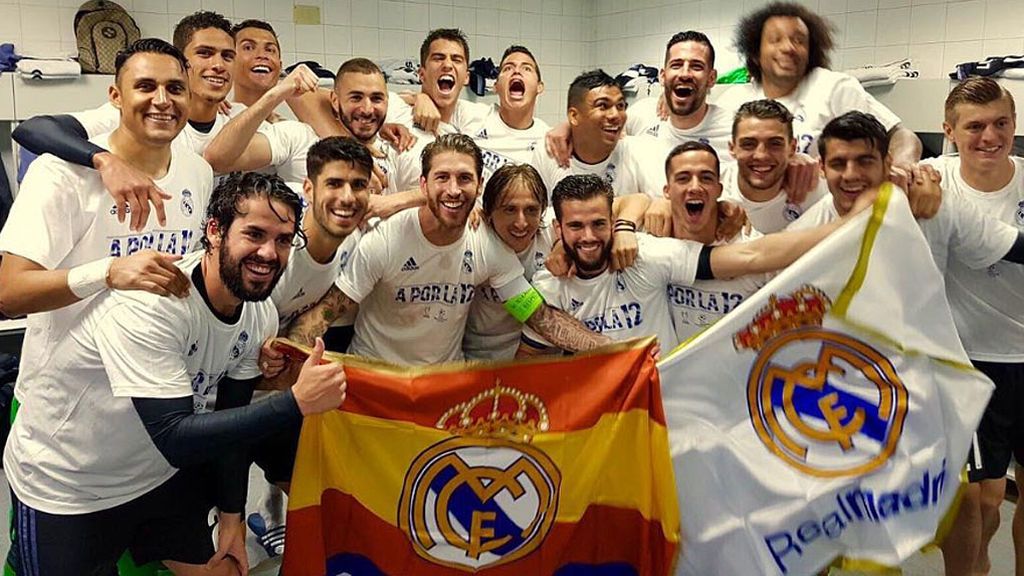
{"x": 231, "y": 275}
{"x": 591, "y": 268}
{"x": 349, "y": 123}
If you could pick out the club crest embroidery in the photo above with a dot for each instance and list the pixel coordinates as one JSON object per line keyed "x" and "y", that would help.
{"x": 484, "y": 497}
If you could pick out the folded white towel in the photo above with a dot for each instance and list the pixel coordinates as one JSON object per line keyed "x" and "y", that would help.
{"x": 47, "y": 69}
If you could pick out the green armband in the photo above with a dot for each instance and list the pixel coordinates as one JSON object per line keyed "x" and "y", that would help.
{"x": 522, "y": 306}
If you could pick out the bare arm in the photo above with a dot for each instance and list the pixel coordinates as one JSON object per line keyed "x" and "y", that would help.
{"x": 564, "y": 331}
{"x": 238, "y": 146}
{"x": 315, "y": 109}
{"x": 630, "y": 208}
{"x": 776, "y": 251}
{"x": 314, "y": 322}
{"x": 27, "y": 287}
{"x": 384, "y": 205}
{"x": 904, "y": 147}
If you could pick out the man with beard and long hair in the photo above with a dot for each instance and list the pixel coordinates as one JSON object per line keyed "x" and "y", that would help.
{"x": 633, "y": 302}
{"x": 141, "y": 420}
{"x": 413, "y": 277}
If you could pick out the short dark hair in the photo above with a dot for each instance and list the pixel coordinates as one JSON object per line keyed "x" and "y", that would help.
{"x": 201, "y": 20}
{"x": 853, "y": 126}
{"x": 581, "y": 187}
{"x": 459, "y": 143}
{"x": 764, "y": 109}
{"x": 691, "y": 36}
{"x": 357, "y": 66}
{"x": 334, "y": 148}
{"x": 451, "y": 34}
{"x": 976, "y": 90}
{"x": 147, "y": 46}
{"x": 237, "y": 186}
{"x": 502, "y": 180}
{"x": 692, "y": 146}
{"x": 751, "y": 28}
{"x": 586, "y": 82}
{"x": 253, "y": 23}
{"x": 517, "y": 49}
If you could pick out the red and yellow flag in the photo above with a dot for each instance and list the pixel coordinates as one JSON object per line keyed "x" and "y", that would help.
{"x": 553, "y": 467}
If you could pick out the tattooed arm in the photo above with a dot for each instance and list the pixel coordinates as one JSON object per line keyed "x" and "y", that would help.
{"x": 564, "y": 331}
{"x": 315, "y": 321}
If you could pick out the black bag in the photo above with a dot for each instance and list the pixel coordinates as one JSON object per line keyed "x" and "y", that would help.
{"x": 103, "y": 28}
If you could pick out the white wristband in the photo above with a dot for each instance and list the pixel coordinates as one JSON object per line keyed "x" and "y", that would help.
{"x": 88, "y": 279}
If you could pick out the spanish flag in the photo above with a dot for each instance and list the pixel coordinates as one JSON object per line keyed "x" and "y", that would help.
{"x": 547, "y": 467}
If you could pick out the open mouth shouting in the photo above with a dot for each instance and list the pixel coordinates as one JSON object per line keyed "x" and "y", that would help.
{"x": 694, "y": 210}
{"x": 446, "y": 84}
{"x": 683, "y": 91}
{"x": 516, "y": 89}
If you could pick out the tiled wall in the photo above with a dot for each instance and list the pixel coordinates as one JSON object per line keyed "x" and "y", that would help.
{"x": 935, "y": 34}
{"x": 553, "y": 29}
{"x": 566, "y": 35}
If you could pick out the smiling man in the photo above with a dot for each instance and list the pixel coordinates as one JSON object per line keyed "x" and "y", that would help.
{"x": 257, "y": 61}
{"x": 634, "y": 302}
{"x": 413, "y": 277}
{"x": 596, "y": 115}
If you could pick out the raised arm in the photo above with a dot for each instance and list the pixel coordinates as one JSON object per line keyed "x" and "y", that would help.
{"x": 314, "y": 108}
{"x": 238, "y": 146}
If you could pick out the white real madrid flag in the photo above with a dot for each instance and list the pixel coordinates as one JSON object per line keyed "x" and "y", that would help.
{"x": 830, "y": 415}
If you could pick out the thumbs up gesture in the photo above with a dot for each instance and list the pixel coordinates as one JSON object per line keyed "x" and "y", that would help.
{"x": 321, "y": 385}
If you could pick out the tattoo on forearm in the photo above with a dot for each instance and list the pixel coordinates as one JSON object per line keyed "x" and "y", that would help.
{"x": 564, "y": 331}
{"x": 315, "y": 322}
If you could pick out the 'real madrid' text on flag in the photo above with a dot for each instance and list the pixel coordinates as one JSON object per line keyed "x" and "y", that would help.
{"x": 829, "y": 416}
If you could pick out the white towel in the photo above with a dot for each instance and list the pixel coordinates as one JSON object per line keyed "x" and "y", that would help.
{"x": 48, "y": 69}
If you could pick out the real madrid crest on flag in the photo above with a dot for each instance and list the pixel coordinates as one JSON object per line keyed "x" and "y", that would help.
{"x": 828, "y": 416}
{"x": 503, "y": 469}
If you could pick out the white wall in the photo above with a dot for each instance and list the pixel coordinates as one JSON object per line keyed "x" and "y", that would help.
{"x": 552, "y": 29}
{"x": 567, "y": 36}
{"x": 935, "y": 34}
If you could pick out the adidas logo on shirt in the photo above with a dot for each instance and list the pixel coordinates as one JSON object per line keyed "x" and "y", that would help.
{"x": 574, "y": 304}
{"x": 410, "y": 265}
{"x": 299, "y": 294}
{"x": 482, "y": 134}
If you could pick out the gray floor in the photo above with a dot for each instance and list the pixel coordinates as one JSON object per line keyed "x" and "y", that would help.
{"x": 1001, "y": 551}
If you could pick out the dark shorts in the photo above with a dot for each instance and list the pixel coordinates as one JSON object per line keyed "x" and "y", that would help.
{"x": 1001, "y": 432}
{"x": 171, "y": 522}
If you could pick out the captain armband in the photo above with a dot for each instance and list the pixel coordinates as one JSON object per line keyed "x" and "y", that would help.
{"x": 523, "y": 305}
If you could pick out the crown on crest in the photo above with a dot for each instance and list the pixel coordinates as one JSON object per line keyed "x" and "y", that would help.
{"x": 500, "y": 412}
{"x": 806, "y": 306}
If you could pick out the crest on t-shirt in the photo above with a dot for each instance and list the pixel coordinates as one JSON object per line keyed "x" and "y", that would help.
{"x": 791, "y": 211}
{"x": 609, "y": 173}
{"x": 538, "y": 260}
{"x": 239, "y": 348}
{"x": 620, "y": 282}
{"x": 1019, "y": 214}
{"x": 467, "y": 261}
{"x": 193, "y": 348}
{"x": 187, "y": 206}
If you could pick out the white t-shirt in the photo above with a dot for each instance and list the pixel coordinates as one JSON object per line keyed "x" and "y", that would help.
{"x": 820, "y": 97}
{"x": 409, "y": 164}
{"x": 648, "y": 151}
{"x": 413, "y": 296}
{"x": 642, "y": 115}
{"x": 106, "y": 118}
{"x": 491, "y": 332}
{"x": 466, "y": 114}
{"x": 701, "y": 303}
{"x": 988, "y": 305}
{"x": 630, "y": 303}
{"x": 64, "y": 217}
{"x": 772, "y": 215}
{"x": 501, "y": 143}
{"x": 614, "y": 169}
{"x": 79, "y": 445}
{"x": 305, "y": 281}
{"x": 959, "y": 231}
